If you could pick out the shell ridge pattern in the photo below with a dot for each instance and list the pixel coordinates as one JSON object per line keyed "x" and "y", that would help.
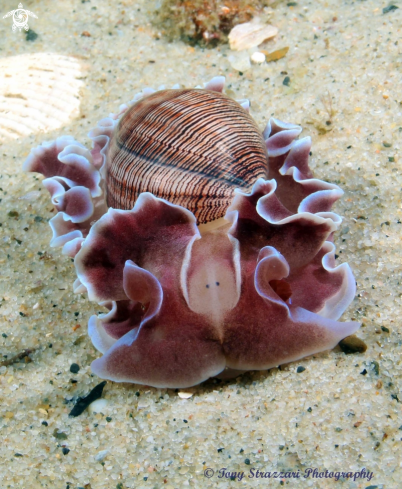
{"x": 189, "y": 145}
{"x": 215, "y": 174}
{"x": 182, "y": 180}
{"x": 209, "y": 114}
{"x": 163, "y": 138}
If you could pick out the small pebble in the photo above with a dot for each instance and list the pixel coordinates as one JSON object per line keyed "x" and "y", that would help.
{"x": 65, "y": 450}
{"x": 375, "y": 367}
{"x": 100, "y": 456}
{"x": 300, "y": 369}
{"x": 185, "y": 395}
{"x": 98, "y": 406}
{"x": 59, "y": 435}
{"x": 31, "y": 35}
{"x": 258, "y": 58}
{"x": 74, "y": 368}
{"x": 352, "y": 344}
{"x": 389, "y": 8}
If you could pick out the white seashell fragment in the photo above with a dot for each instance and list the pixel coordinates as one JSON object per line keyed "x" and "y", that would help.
{"x": 38, "y": 92}
{"x": 100, "y": 456}
{"x": 258, "y": 58}
{"x": 250, "y": 35}
{"x": 31, "y": 196}
{"x": 185, "y": 395}
{"x": 98, "y": 406}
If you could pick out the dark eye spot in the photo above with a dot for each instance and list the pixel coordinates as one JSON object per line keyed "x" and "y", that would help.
{"x": 217, "y": 283}
{"x": 207, "y": 286}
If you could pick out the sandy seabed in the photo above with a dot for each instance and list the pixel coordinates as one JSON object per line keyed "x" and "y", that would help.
{"x": 343, "y": 412}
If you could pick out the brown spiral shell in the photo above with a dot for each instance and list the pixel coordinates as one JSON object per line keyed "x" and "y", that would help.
{"x": 191, "y": 147}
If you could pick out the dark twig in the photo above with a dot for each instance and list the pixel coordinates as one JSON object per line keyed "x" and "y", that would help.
{"x": 17, "y": 358}
{"x": 83, "y": 402}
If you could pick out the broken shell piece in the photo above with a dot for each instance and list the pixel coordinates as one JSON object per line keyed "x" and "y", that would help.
{"x": 185, "y": 395}
{"x": 98, "y": 406}
{"x": 31, "y": 196}
{"x": 275, "y": 55}
{"x": 250, "y": 35}
{"x": 258, "y": 58}
{"x": 100, "y": 456}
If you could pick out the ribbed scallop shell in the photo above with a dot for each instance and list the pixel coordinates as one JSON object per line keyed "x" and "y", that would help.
{"x": 38, "y": 92}
{"x": 190, "y": 147}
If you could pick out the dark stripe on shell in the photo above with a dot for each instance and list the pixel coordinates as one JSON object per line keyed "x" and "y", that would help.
{"x": 190, "y": 147}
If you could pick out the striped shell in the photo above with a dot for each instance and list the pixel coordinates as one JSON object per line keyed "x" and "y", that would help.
{"x": 191, "y": 147}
